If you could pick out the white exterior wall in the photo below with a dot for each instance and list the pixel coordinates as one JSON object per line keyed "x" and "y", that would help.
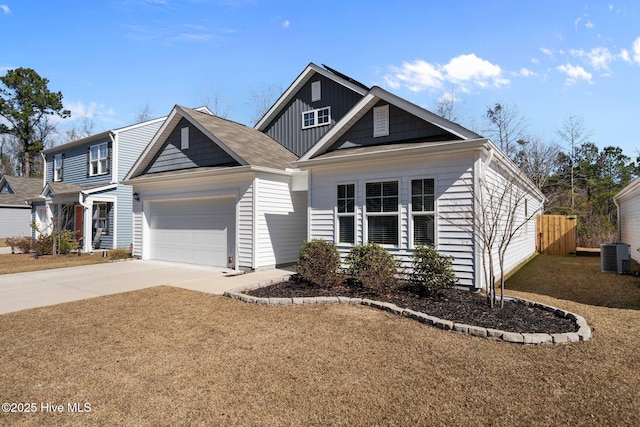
{"x": 280, "y": 218}
{"x": 453, "y": 176}
{"x": 523, "y": 244}
{"x": 630, "y": 219}
{"x": 15, "y": 222}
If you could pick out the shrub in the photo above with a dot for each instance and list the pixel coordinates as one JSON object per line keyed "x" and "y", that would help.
{"x": 432, "y": 272}
{"x": 65, "y": 241}
{"x": 43, "y": 245}
{"x": 372, "y": 266}
{"x": 120, "y": 253}
{"x": 319, "y": 262}
{"x": 22, "y": 243}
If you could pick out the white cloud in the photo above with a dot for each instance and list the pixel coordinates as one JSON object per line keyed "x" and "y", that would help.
{"x": 624, "y": 55}
{"x": 636, "y": 50}
{"x": 575, "y": 73}
{"x": 466, "y": 72}
{"x": 80, "y": 110}
{"x": 286, "y": 23}
{"x": 5, "y": 8}
{"x": 589, "y": 25}
{"x": 524, "y": 72}
{"x": 598, "y": 57}
{"x": 546, "y": 51}
{"x": 535, "y": 61}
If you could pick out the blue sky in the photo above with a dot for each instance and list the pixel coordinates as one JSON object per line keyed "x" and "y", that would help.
{"x": 550, "y": 59}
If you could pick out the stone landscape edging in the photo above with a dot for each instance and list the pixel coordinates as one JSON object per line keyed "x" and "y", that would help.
{"x": 583, "y": 333}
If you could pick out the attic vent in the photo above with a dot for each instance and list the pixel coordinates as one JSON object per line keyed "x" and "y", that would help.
{"x": 184, "y": 138}
{"x": 315, "y": 91}
{"x": 381, "y": 121}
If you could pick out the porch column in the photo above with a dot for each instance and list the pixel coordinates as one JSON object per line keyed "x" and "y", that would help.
{"x": 87, "y": 231}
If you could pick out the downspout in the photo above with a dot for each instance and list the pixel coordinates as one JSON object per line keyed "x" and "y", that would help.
{"x": 619, "y": 219}
{"x": 114, "y": 157}
{"x": 44, "y": 172}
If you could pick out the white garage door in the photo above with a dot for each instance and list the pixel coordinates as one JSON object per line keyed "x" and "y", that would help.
{"x": 193, "y": 231}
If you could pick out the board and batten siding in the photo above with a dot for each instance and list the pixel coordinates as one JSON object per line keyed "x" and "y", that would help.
{"x": 280, "y": 221}
{"x": 286, "y": 128}
{"x": 630, "y": 220}
{"x": 452, "y": 176}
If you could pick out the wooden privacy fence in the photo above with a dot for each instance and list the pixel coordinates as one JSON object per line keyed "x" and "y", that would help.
{"x": 556, "y": 234}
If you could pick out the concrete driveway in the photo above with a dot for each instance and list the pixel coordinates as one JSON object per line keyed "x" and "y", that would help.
{"x": 47, "y": 287}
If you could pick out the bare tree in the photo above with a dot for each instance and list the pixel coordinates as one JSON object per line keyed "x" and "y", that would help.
{"x": 216, "y": 103}
{"x": 446, "y": 106}
{"x": 573, "y": 133}
{"x": 537, "y": 159}
{"x": 499, "y": 215}
{"x": 80, "y": 130}
{"x": 506, "y": 127}
{"x": 262, "y": 99}
{"x": 143, "y": 114}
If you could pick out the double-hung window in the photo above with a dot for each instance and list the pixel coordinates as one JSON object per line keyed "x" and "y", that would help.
{"x": 423, "y": 211}
{"x": 57, "y": 167}
{"x": 319, "y": 117}
{"x": 382, "y": 212}
{"x": 98, "y": 159}
{"x": 346, "y": 213}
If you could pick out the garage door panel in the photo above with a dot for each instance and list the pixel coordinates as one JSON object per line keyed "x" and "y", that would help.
{"x": 196, "y": 232}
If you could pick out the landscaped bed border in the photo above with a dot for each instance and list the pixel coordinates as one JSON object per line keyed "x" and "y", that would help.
{"x": 582, "y": 334}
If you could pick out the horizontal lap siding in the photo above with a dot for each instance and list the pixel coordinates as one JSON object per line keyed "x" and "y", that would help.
{"x": 452, "y": 198}
{"x": 630, "y": 222}
{"x": 281, "y": 222}
{"x": 137, "y": 219}
{"x": 245, "y": 228}
{"x": 132, "y": 142}
{"x": 523, "y": 244}
{"x": 75, "y": 165}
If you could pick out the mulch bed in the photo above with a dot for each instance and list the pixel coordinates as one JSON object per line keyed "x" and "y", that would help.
{"x": 457, "y": 305}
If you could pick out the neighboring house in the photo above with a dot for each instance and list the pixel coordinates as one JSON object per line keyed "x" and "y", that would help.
{"x": 15, "y": 206}
{"x": 214, "y": 192}
{"x": 388, "y": 171}
{"x": 628, "y": 202}
{"x": 82, "y": 190}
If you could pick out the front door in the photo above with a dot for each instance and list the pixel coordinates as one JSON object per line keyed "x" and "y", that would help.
{"x": 77, "y": 221}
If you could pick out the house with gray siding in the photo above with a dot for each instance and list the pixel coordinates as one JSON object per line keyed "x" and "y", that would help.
{"x": 82, "y": 190}
{"x": 15, "y": 204}
{"x": 628, "y": 202}
{"x": 214, "y": 192}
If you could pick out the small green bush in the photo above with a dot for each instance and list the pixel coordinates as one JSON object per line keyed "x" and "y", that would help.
{"x": 65, "y": 240}
{"x": 372, "y": 266}
{"x": 432, "y": 272}
{"x": 319, "y": 262}
{"x": 22, "y": 243}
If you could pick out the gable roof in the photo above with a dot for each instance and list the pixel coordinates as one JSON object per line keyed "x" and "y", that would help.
{"x": 299, "y": 82}
{"x": 100, "y": 136}
{"x": 245, "y": 145}
{"x": 24, "y": 189}
{"x": 373, "y": 96}
{"x": 632, "y": 188}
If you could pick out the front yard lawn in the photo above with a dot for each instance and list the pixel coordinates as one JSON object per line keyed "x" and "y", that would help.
{"x": 18, "y": 263}
{"x": 169, "y": 356}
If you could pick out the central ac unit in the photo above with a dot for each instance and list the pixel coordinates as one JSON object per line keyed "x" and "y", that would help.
{"x": 615, "y": 257}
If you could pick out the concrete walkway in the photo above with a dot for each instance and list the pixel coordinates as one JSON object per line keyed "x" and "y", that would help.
{"x": 21, "y": 291}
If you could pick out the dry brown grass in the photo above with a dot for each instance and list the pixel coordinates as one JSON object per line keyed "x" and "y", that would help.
{"x": 167, "y": 356}
{"x": 17, "y": 263}
{"x": 577, "y": 279}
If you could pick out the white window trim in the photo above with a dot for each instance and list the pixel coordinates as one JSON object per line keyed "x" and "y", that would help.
{"x": 397, "y": 214}
{"x": 315, "y": 117}
{"x": 338, "y": 215}
{"x": 381, "y": 121}
{"x": 57, "y": 171}
{"x": 98, "y": 160}
{"x": 423, "y": 213}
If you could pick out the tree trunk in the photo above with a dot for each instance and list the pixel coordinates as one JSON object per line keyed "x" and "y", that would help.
{"x": 27, "y": 161}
